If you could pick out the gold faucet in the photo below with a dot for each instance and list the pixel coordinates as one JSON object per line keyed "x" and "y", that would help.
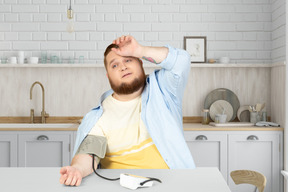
{"x": 43, "y": 113}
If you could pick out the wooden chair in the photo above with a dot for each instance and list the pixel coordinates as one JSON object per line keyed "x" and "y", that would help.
{"x": 249, "y": 177}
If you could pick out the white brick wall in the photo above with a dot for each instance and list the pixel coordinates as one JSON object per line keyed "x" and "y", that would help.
{"x": 278, "y": 51}
{"x": 247, "y": 31}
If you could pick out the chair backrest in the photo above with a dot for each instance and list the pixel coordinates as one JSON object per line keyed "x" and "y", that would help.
{"x": 249, "y": 177}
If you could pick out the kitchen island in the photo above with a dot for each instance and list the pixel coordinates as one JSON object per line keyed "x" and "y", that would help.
{"x": 47, "y": 179}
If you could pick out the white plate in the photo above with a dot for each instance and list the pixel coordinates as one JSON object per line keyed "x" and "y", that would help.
{"x": 217, "y": 108}
{"x": 243, "y": 113}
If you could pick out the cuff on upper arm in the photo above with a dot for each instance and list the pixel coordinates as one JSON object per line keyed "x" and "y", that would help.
{"x": 95, "y": 145}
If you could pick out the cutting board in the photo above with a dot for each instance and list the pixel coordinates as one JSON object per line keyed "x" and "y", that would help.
{"x": 232, "y": 124}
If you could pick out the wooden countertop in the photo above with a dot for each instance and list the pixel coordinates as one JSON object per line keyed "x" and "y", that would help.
{"x": 200, "y": 127}
{"x": 186, "y": 127}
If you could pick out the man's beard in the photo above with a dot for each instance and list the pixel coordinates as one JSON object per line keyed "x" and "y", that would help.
{"x": 128, "y": 88}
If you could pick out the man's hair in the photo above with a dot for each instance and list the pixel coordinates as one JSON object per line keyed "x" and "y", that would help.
{"x": 107, "y": 51}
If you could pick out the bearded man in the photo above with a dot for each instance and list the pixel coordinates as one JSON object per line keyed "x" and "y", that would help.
{"x": 138, "y": 123}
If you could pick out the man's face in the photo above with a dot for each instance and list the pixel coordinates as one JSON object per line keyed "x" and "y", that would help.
{"x": 126, "y": 74}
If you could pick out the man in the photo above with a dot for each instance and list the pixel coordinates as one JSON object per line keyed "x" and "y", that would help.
{"x": 140, "y": 119}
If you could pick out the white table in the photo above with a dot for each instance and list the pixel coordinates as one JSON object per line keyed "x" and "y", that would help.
{"x": 47, "y": 179}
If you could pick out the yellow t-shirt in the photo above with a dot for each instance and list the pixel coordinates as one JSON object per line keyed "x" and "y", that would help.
{"x": 129, "y": 144}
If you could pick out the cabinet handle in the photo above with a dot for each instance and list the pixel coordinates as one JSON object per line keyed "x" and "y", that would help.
{"x": 42, "y": 138}
{"x": 201, "y": 138}
{"x": 252, "y": 138}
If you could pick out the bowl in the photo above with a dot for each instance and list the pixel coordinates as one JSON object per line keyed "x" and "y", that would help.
{"x": 224, "y": 60}
{"x": 33, "y": 60}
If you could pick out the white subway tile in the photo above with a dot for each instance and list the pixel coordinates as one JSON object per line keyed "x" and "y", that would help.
{"x": 2, "y": 36}
{"x": 82, "y": 17}
{"x": 123, "y": 17}
{"x": 96, "y": 55}
{"x": 151, "y": 36}
{"x": 264, "y": 55}
{"x": 109, "y": 36}
{"x": 108, "y": 8}
{"x": 150, "y": 2}
{"x": 54, "y": 45}
{"x": 2, "y": 17}
{"x": 24, "y": 1}
{"x": 11, "y": 36}
{"x": 11, "y": 17}
{"x": 38, "y": 36}
{"x": 39, "y": 17}
{"x": 53, "y": 8}
{"x": 224, "y": 8}
{"x": 65, "y": 36}
{"x": 25, "y": 27}
{"x": 25, "y": 36}
{"x": 109, "y": 17}
{"x": 249, "y": 45}
{"x": 165, "y": 8}
{"x": 97, "y": 16}
{"x": 39, "y": 1}
{"x": 95, "y": 1}
{"x": 5, "y": 8}
{"x": 109, "y": 26}
{"x": 79, "y": 45}
{"x": 25, "y": 8}
{"x": 179, "y": 17}
{"x": 248, "y": 9}
{"x": 54, "y": 17}
{"x": 165, "y": 36}
{"x": 222, "y": 36}
{"x": 96, "y": 36}
{"x": 131, "y": 27}
{"x": 206, "y": 17}
{"x": 5, "y": 46}
{"x": 53, "y": 36}
{"x": 249, "y": 54}
{"x": 236, "y": 36}
{"x": 222, "y": 27}
{"x": 25, "y": 17}
{"x": 193, "y": 8}
{"x": 250, "y": 36}
{"x": 222, "y": 17}
{"x": 265, "y": 36}
{"x": 151, "y": 17}
{"x": 137, "y": 17}
{"x": 26, "y": 45}
{"x": 137, "y": 9}
{"x": 198, "y": 27}
{"x": 84, "y": 26}
{"x": 110, "y": 2}
{"x": 191, "y": 17}
{"x": 249, "y": 26}
{"x": 165, "y": 18}
{"x": 82, "y": 36}
{"x": 53, "y": 27}
{"x": 222, "y": 45}
{"x": 53, "y": 1}
{"x": 77, "y": 2}
{"x": 9, "y": 2}
{"x": 84, "y": 9}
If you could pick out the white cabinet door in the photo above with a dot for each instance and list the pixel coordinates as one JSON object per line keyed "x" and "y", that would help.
{"x": 8, "y": 149}
{"x": 255, "y": 151}
{"x": 209, "y": 149}
{"x": 44, "y": 149}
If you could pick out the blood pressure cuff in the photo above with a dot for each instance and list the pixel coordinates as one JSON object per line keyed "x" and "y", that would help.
{"x": 93, "y": 145}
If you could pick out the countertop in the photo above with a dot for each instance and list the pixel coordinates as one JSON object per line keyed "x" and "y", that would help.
{"x": 47, "y": 179}
{"x": 74, "y": 127}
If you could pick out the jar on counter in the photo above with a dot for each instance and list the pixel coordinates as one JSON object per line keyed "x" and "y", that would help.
{"x": 205, "y": 116}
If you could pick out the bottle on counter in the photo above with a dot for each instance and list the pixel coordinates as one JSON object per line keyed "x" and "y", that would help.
{"x": 205, "y": 116}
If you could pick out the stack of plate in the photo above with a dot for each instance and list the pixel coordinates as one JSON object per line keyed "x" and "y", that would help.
{"x": 222, "y": 99}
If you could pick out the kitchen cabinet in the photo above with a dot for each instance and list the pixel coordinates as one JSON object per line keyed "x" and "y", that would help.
{"x": 261, "y": 151}
{"x": 8, "y": 150}
{"x": 37, "y": 148}
{"x": 209, "y": 149}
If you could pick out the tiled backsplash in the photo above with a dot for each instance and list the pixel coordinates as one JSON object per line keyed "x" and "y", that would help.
{"x": 247, "y": 31}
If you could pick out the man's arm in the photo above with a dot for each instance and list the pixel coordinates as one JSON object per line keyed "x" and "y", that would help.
{"x": 128, "y": 46}
{"x": 81, "y": 166}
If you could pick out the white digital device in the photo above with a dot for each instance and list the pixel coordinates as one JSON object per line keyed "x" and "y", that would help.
{"x": 133, "y": 181}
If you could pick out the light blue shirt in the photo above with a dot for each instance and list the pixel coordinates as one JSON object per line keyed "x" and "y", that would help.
{"x": 161, "y": 110}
